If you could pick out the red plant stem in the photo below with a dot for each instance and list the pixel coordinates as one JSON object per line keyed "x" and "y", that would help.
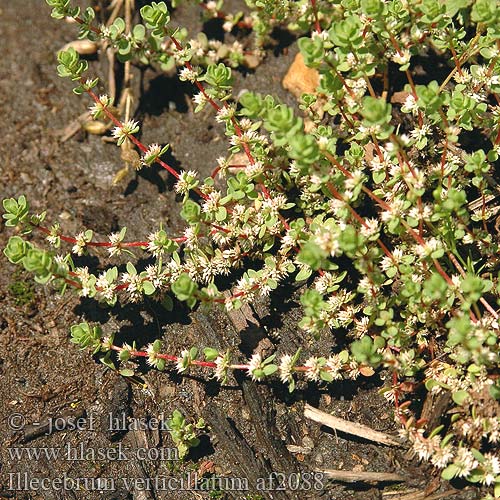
{"x": 316, "y": 18}
{"x": 168, "y": 357}
{"x": 455, "y": 58}
{"x": 360, "y": 219}
{"x": 443, "y": 157}
{"x": 217, "y": 108}
{"x": 377, "y": 148}
{"x": 136, "y": 141}
{"x": 462, "y": 273}
{"x": 97, "y": 31}
{"x": 342, "y": 79}
{"x": 395, "y": 44}
{"x": 106, "y": 244}
{"x": 195, "y": 362}
{"x": 414, "y": 93}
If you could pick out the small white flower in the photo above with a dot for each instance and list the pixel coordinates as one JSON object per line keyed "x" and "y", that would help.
{"x": 152, "y": 359}
{"x": 225, "y": 113}
{"x": 211, "y": 5}
{"x": 254, "y": 364}
{"x": 188, "y": 74}
{"x": 221, "y": 367}
{"x": 200, "y": 99}
{"x": 53, "y": 239}
{"x": 212, "y": 202}
{"x": 133, "y": 283}
{"x": 286, "y": 369}
{"x": 361, "y": 325}
{"x": 182, "y": 363}
{"x": 115, "y": 240}
{"x": 105, "y": 289}
{"x": 402, "y": 58}
{"x": 154, "y": 245}
{"x": 442, "y": 457}
{"x": 97, "y": 109}
{"x": 80, "y": 244}
{"x": 465, "y": 462}
{"x": 353, "y": 372}
{"x": 491, "y": 466}
{"x": 423, "y": 448}
{"x": 420, "y": 132}
{"x": 186, "y": 181}
{"x": 314, "y": 369}
{"x": 410, "y": 105}
{"x": 191, "y": 238}
{"x": 370, "y": 228}
{"x": 129, "y": 127}
{"x": 254, "y": 169}
{"x": 334, "y": 365}
{"x": 151, "y": 155}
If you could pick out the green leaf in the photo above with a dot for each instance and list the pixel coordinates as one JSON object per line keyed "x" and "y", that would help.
{"x": 450, "y": 472}
{"x": 303, "y": 274}
{"x": 210, "y": 353}
{"x": 184, "y": 287}
{"x": 312, "y": 255}
{"x": 16, "y": 249}
{"x": 269, "y": 370}
{"x": 148, "y": 287}
{"x": 219, "y": 76}
{"x": 375, "y": 111}
{"x": 190, "y": 211}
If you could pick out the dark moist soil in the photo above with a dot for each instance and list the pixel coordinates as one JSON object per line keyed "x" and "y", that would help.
{"x": 45, "y": 377}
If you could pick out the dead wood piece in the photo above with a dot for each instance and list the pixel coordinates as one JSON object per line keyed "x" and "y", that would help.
{"x": 242, "y": 317}
{"x": 292, "y": 448}
{"x": 263, "y": 420}
{"x": 435, "y": 406}
{"x": 72, "y": 128}
{"x": 352, "y": 428}
{"x": 417, "y": 495}
{"x": 83, "y": 47}
{"x": 245, "y": 464}
{"x": 348, "y": 476}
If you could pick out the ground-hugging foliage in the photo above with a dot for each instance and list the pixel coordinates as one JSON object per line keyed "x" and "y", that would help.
{"x": 376, "y": 198}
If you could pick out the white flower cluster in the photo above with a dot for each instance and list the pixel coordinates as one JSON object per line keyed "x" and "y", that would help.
{"x": 97, "y": 109}
{"x": 151, "y": 155}
{"x": 82, "y": 239}
{"x": 186, "y": 181}
{"x": 105, "y": 288}
{"x": 133, "y": 284}
{"x": 255, "y": 364}
{"x": 115, "y": 239}
{"x": 188, "y": 74}
{"x": 122, "y": 132}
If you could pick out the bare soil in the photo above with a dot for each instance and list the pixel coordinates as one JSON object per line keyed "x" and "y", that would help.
{"x": 45, "y": 377}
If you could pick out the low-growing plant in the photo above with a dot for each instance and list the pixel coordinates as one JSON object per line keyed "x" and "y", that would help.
{"x": 22, "y": 292}
{"x": 184, "y": 435}
{"x": 376, "y": 197}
